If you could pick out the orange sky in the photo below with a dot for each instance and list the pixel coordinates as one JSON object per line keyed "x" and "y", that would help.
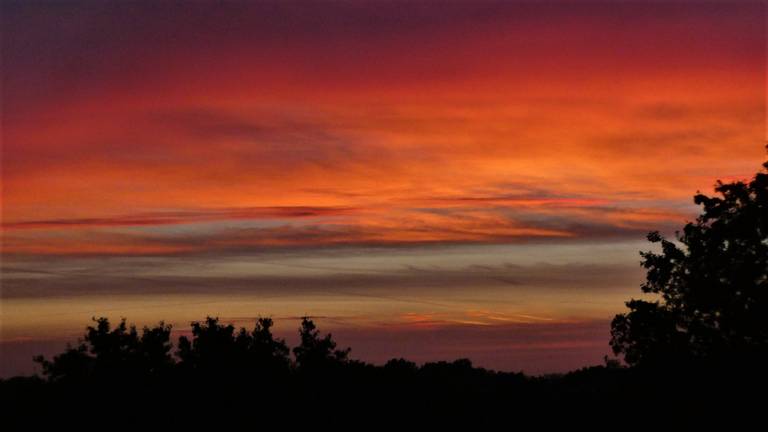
{"x": 141, "y": 130}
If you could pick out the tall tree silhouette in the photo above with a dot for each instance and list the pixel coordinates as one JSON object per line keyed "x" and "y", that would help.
{"x": 712, "y": 282}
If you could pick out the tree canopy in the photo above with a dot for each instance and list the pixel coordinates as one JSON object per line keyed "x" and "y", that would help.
{"x": 711, "y": 282}
{"x": 119, "y": 353}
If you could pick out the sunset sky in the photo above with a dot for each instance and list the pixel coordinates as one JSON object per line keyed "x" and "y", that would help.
{"x": 429, "y": 180}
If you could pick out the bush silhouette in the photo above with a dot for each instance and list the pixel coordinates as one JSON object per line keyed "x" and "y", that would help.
{"x": 712, "y": 283}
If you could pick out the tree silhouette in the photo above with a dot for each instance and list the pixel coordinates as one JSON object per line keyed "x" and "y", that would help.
{"x": 119, "y": 353}
{"x": 712, "y": 282}
{"x": 211, "y": 350}
{"x": 262, "y": 350}
{"x": 315, "y": 352}
{"x": 216, "y": 351}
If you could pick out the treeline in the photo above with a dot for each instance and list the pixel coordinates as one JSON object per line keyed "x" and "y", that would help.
{"x": 222, "y": 369}
{"x": 221, "y": 355}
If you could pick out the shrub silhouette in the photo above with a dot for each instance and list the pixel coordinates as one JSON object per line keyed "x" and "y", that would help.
{"x": 713, "y": 284}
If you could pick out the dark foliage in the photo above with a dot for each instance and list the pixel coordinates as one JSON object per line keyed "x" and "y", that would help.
{"x": 219, "y": 353}
{"x": 713, "y": 287}
{"x": 237, "y": 377}
{"x": 316, "y": 353}
{"x": 113, "y": 354}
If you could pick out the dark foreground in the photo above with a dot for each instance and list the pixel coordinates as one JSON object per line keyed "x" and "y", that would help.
{"x": 360, "y": 395}
{"x": 120, "y": 377}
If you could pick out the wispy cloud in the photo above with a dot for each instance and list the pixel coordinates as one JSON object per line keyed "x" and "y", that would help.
{"x": 183, "y": 217}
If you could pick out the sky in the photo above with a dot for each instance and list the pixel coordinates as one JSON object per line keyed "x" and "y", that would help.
{"x": 429, "y": 180}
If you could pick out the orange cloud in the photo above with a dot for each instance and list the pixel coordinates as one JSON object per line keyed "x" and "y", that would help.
{"x": 492, "y": 128}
